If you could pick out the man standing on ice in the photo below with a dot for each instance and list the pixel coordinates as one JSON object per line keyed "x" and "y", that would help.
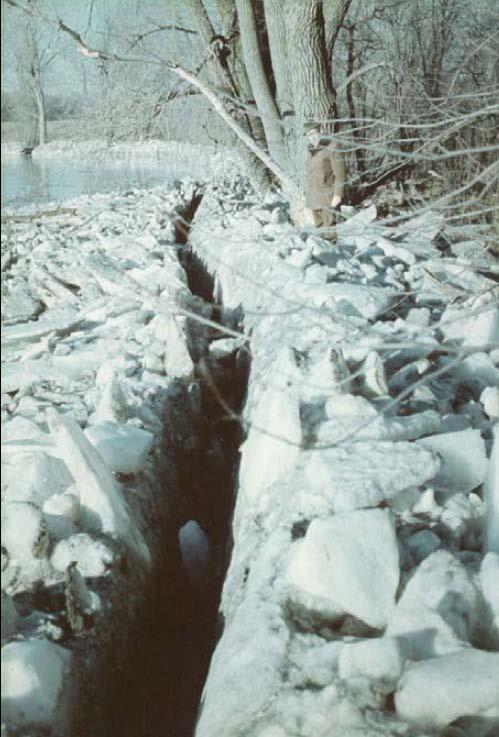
{"x": 325, "y": 178}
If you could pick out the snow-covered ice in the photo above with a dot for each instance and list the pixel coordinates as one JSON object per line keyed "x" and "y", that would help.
{"x": 367, "y": 492}
{"x": 379, "y": 659}
{"x": 459, "y": 471}
{"x": 347, "y": 564}
{"x": 93, "y": 556}
{"x": 80, "y": 291}
{"x": 326, "y": 448}
{"x": 33, "y": 676}
{"x": 438, "y": 609}
{"x": 357, "y": 475}
{"x": 124, "y": 448}
{"x": 103, "y": 506}
{"x": 436, "y": 692}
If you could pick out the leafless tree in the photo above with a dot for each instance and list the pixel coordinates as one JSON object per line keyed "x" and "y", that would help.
{"x": 408, "y": 87}
{"x": 33, "y": 53}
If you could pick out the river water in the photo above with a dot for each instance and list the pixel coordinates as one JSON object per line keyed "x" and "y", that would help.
{"x": 28, "y": 180}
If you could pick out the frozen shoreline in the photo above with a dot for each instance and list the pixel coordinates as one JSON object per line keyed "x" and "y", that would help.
{"x": 212, "y": 163}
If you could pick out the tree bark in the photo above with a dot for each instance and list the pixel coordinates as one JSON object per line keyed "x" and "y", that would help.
{"x": 334, "y": 14}
{"x": 42, "y": 117}
{"x": 279, "y": 50}
{"x": 228, "y": 14}
{"x": 258, "y": 175}
{"x": 259, "y": 82}
{"x": 219, "y": 72}
{"x": 313, "y": 94}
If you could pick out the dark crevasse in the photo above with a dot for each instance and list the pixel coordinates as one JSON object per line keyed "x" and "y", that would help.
{"x": 176, "y": 633}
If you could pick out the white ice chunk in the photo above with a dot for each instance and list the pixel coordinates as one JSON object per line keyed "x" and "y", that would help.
{"x": 378, "y": 659}
{"x": 490, "y": 400}
{"x": 20, "y": 435}
{"x": 477, "y": 370}
{"x": 464, "y": 461}
{"x": 225, "y": 347}
{"x": 195, "y": 553}
{"x": 348, "y": 563}
{"x": 436, "y": 692}
{"x": 358, "y": 224}
{"x": 61, "y": 369}
{"x": 24, "y": 532}
{"x": 112, "y": 405}
{"x": 153, "y": 362}
{"x": 419, "y": 317}
{"x": 373, "y": 378}
{"x": 93, "y": 557}
{"x": 475, "y": 323}
{"x": 426, "y": 504}
{"x": 397, "y": 252}
{"x": 102, "y": 504}
{"x": 363, "y": 301}
{"x": 437, "y": 611}
{"x": 405, "y": 500}
{"x": 274, "y": 438}
{"x": 124, "y": 448}
{"x": 245, "y": 670}
{"x": 66, "y": 505}
{"x": 61, "y": 513}
{"x": 379, "y": 428}
{"x": 348, "y": 405}
{"x": 171, "y": 332}
{"x": 52, "y": 321}
{"x": 35, "y": 479}
{"x": 34, "y": 676}
{"x": 329, "y": 375}
{"x": 19, "y": 304}
{"x": 461, "y": 514}
{"x": 359, "y": 475}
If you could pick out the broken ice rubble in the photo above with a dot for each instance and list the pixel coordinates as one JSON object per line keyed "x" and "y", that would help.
{"x": 361, "y": 492}
{"x": 364, "y": 567}
{"x": 97, "y": 289}
{"x": 347, "y": 564}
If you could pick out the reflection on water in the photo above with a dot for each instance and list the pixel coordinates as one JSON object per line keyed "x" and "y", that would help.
{"x": 27, "y": 180}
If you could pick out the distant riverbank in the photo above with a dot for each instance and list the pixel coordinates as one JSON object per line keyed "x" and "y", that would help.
{"x": 64, "y": 169}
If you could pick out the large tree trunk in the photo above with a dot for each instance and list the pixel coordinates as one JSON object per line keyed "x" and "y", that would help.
{"x": 334, "y": 14}
{"x": 250, "y": 121}
{"x": 42, "y": 117}
{"x": 259, "y": 81}
{"x": 275, "y": 19}
{"x": 220, "y": 72}
{"x": 310, "y": 72}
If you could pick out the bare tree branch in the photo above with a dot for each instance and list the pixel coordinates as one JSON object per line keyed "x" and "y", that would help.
{"x": 172, "y": 27}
